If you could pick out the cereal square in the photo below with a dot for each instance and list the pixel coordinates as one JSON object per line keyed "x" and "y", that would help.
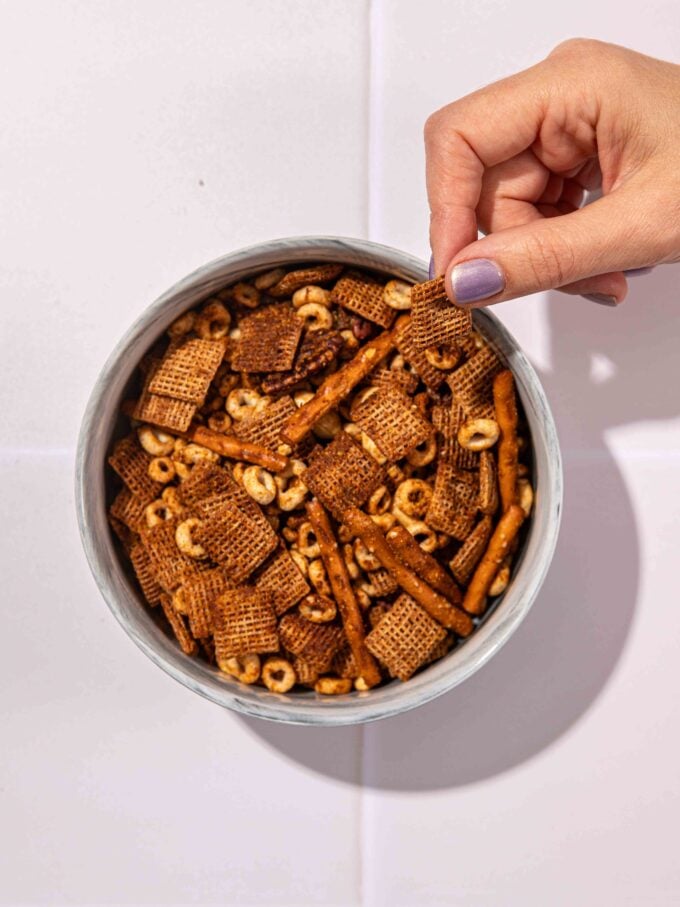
{"x": 269, "y": 340}
{"x": 131, "y": 462}
{"x": 186, "y": 369}
{"x": 454, "y": 503}
{"x": 342, "y": 474}
{"x": 199, "y": 594}
{"x": 281, "y": 577}
{"x": 392, "y": 421}
{"x": 363, "y": 296}
{"x": 416, "y": 358}
{"x": 472, "y": 384}
{"x": 244, "y": 623}
{"x": 264, "y": 427}
{"x": 235, "y": 541}
{"x": 129, "y": 509}
{"x": 176, "y": 621}
{"x": 448, "y": 419}
{"x": 317, "y": 644}
{"x": 404, "y": 638}
{"x": 436, "y": 321}
{"x": 141, "y": 564}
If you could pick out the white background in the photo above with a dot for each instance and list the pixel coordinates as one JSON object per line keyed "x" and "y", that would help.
{"x": 139, "y": 140}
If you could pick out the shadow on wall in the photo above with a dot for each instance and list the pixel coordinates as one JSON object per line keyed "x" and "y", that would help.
{"x": 558, "y": 662}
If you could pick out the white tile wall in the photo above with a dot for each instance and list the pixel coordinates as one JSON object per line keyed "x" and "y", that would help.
{"x": 140, "y": 140}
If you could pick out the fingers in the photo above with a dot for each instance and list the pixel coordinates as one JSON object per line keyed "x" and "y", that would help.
{"x": 465, "y": 138}
{"x": 567, "y": 251}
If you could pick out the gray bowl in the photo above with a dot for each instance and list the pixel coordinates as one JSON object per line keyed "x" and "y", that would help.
{"x": 102, "y": 421}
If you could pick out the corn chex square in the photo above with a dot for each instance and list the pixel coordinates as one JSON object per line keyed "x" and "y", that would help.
{"x": 472, "y": 384}
{"x": 404, "y": 638}
{"x": 342, "y": 474}
{"x": 392, "y": 421}
{"x": 436, "y": 321}
{"x": 317, "y": 644}
{"x": 304, "y": 277}
{"x": 235, "y": 541}
{"x": 281, "y": 577}
{"x": 363, "y": 296}
{"x": 416, "y": 358}
{"x": 269, "y": 340}
{"x": 131, "y": 462}
{"x": 199, "y": 594}
{"x": 186, "y": 369}
{"x": 448, "y": 419}
{"x": 244, "y": 623}
{"x": 454, "y": 503}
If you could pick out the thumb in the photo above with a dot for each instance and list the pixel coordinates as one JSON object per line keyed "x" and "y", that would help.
{"x": 603, "y": 238}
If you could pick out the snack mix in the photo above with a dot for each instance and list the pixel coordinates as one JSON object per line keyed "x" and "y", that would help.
{"x": 323, "y": 484}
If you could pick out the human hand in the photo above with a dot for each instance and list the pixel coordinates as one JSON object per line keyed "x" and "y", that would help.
{"x": 515, "y": 160}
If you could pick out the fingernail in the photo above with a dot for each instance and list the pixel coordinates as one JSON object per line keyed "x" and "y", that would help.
{"x": 601, "y": 298}
{"x": 477, "y": 279}
{"x": 637, "y": 272}
{"x": 431, "y": 268}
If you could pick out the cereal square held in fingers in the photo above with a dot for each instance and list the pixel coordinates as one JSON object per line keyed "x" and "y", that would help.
{"x": 281, "y": 577}
{"x": 131, "y": 462}
{"x": 186, "y": 369}
{"x": 472, "y": 384}
{"x": 404, "y": 638}
{"x": 235, "y": 541}
{"x": 244, "y": 623}
{"x": 342, "y": 474}
{"x": 317, "y": 644}
{"x": 269, "y": 340}
{"x": 364, "y": 296}
{"x": 304, "y": 277}
{"x": 392, "y": 421}
{"x": 454, "y": 503}
{"x": 436, "y": 320}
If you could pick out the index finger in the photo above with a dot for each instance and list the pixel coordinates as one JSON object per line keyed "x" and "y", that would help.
{"x": 462, "y": 140}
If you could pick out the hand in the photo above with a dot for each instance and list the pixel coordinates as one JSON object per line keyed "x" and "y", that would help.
{"x": 515, "y": 160}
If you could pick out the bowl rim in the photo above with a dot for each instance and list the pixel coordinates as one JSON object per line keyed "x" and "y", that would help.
{"x": 302, "y": 708}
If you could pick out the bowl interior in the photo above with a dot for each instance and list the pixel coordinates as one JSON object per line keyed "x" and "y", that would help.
{"x": 102, "y": 423}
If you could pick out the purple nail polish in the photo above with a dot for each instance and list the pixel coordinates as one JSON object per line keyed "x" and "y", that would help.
{"x": 601, "y": 298}
{"x": 477, "y": 279}
{"x": 430, "y": 270}
{"x": 637, "y": 272}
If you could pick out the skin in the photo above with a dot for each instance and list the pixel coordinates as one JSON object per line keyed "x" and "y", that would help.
{"x": 514, "y": 160}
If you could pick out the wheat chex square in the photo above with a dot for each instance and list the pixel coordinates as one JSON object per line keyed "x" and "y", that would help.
{"x": 404, "y": 638}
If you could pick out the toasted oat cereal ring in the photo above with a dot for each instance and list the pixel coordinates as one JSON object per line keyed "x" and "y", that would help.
{"x": 182, "y": 325}
{"x": 372, "y": 448}
{"x": 227, "y": 383}
{"x": 380, "y": 501}
{"x": 241, "y": 402}
{"x": 423, "y": 534}
{"x": 157, "y": 512}
{"x": 525, "y": 495}
{"x": 213, "y": 322}
{"x": 318, "y": 578}
{"x": 269, "y": 278}
{"x": 364, "y": 558}
{"x": 278, "y": 675}
{"x": 219, "y": 422}
{"x": 185, "y": 543}
{"x": 246, "y": 294}
{"x": 424, "y": 453}
{"x": 397, "y": 295}
{"x": 155, "y": 442}
{"x": 311, "y": 294}
{"x": 162, "y": 469}
{"x": 291, "y": 493}
{"x": 196, "y": 453}
{"x": 328, "y": 426}
{"x": 182, "y": 470}
{"x": 259, "y": 484}
{"x": 300, "y": 561}
{"x": 171, "y": 497}
{"x": 307, "y": 543}
{"x": 245, "y": 668}
{"x": 443, "y": 357}
{"x": 385, "y": 520}
{"x": 318, "y": 608}
{"x": 478, "y": 434}
{"x": 333, "y": 686}
{"x": 413, "y": 497}
{"x": 350, "y": 562}
{"x": 315, "y": 316}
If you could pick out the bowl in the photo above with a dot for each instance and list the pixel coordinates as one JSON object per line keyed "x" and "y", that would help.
{"x": 102, "y": 422}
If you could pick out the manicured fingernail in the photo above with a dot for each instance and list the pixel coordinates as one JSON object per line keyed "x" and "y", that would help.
{"x": 431, "y": 268}
{"x": 637, "y": 272}
{"x": 477, "y": 279}
{"x": 601, "y": 298}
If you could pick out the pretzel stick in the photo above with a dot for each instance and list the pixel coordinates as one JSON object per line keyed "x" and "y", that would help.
{"x": 336, "y": 570}
{"x": 405, "y": 546}
{"x": 435, "y": 604}
{"x": 505, "y": 405}
{"x": 341, "y": 383}
{"x": 229, "y": 446}
{"x": 500, "y": 544}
